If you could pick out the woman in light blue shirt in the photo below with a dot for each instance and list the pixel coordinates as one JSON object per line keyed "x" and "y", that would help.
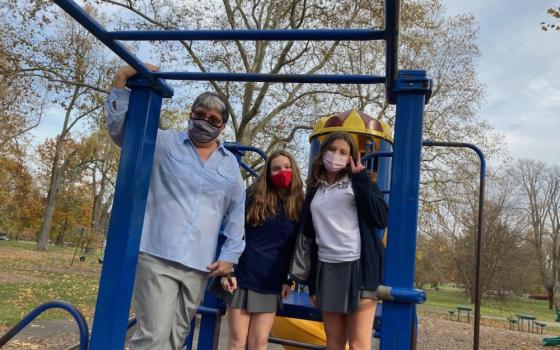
{"x": 195, "y": 188}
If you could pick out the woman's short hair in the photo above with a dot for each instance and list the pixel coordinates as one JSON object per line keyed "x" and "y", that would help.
{"x": 212, "y": 100}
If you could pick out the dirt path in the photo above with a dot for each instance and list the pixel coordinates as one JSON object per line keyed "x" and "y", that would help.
{"x": 440, "y": 334}
{"x": 433, "y": 334}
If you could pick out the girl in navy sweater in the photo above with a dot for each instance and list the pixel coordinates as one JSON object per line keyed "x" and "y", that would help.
{"x": 273, "y": 208}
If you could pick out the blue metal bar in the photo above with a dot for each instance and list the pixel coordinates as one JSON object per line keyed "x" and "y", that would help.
{"x": 378, "y": 321}
{"x": 480, "y": 228}
{"x": 252, "y": 34}
{"x": 205, "y": 310}
{"x": 248, "y": 169}
{"x": 411, "y": 89}
{"x": 402, "y": 295}
{"x": 387, "y": 154}
{"x": 298, "y": 306}
{"x": 209, "y": 333}
{"x": 274, "y": 78}
{"x": 392, "y": 19}
{"x": 383, "y": 168}
{"x": 97, "y": 30}
{"x": 190, "y": 338}
{"x": 237, "y": 148}
{"x": 75, "y": 313}
{"x": 239, "y": 151}
{"x": 127, "y": 217}
{"x": 131, "y": 323}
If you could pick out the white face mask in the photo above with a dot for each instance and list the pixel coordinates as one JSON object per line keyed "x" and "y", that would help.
{"x": 334, "y": 162}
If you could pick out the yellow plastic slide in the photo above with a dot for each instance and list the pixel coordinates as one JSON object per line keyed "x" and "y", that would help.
{"x": 310, "y": 332}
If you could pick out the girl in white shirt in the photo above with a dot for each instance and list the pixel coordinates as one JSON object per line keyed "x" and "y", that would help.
{"x": 342, "y": 212}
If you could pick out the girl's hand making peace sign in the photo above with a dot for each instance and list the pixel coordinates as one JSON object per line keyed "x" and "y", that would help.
{"x": 356, "y": 165}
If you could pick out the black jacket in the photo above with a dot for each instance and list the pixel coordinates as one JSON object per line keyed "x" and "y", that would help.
{"x": 372, "y": 214}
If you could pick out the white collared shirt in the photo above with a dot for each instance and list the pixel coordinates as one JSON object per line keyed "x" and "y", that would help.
{"x": 335, "y": 219}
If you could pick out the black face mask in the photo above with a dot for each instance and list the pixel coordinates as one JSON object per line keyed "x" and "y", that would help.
{"x": 202, "y": 131}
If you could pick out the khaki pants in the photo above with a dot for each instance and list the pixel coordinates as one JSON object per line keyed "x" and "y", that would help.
{"x": 166, "y": 295}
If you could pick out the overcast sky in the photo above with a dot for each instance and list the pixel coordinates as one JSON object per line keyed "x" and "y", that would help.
{"x": 520, "y": 67}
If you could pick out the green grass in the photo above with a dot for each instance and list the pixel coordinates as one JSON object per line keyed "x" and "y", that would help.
{"x": 449, "y": 298}
{"x": 29, "y": 278}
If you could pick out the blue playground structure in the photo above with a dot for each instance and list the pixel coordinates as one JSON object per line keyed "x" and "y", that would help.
{"x": 409, "y": 90}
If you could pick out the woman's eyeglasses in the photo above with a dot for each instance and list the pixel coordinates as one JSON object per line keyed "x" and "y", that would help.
{"x": 212, "y": 119}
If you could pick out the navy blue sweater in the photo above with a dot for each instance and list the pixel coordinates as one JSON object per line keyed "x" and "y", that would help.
{"x": 263, "y": 266}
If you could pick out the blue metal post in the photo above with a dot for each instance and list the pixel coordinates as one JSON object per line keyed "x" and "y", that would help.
{"x": 127, "y": 218}
{"x": 209, "y": 333}
{"x": 411, "y": 90}
{"x": 384, "y": 173}
{"x": 383, "y": 167}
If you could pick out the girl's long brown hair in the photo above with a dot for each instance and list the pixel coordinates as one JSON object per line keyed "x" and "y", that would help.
{"x": 263, "y": 197}
{"x": 318, "y": 169}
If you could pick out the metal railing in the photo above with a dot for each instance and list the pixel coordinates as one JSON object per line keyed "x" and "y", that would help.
{"x": 75, "y": 313}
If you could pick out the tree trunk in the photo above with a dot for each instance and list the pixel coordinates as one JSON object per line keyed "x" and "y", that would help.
{"x": 90, "y": 249}
{"x": 550, "y": 293}
{"x": 46, "y": 224}
{"x": 59, "y": 239}
{"x": 556, "y": 289}
{"x": 56, "y": 177}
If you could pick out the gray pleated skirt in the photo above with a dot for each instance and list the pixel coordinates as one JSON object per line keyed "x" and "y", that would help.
{"x": 254, "y": 302}
{"x": 338, "y": 287}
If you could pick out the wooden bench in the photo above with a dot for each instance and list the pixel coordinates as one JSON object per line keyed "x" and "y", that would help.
{"x": 538, "y": 325}
{"x": 512, "y": 323}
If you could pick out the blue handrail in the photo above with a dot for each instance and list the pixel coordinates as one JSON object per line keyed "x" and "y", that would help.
{"x": 480, "y": 227}
{"x": 249, "y": 34}
{"x": 76, "y": 314}
{"x": 239, "y": 151}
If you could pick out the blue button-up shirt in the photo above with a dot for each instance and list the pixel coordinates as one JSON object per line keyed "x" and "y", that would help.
{"x": 189, "y": 199}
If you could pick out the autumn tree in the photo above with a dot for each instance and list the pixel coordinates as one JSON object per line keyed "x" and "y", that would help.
{"x": 21, "y": 108}
{"x": 553, "y": 12}
{"x": 434, "y": 260}
{"x": 76, "y": 72}
{"x": 73, "y": 209}
{"x": 20, "y": 200}
{"x": 99, "y": 158}
{"x": 540, "y": 194}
